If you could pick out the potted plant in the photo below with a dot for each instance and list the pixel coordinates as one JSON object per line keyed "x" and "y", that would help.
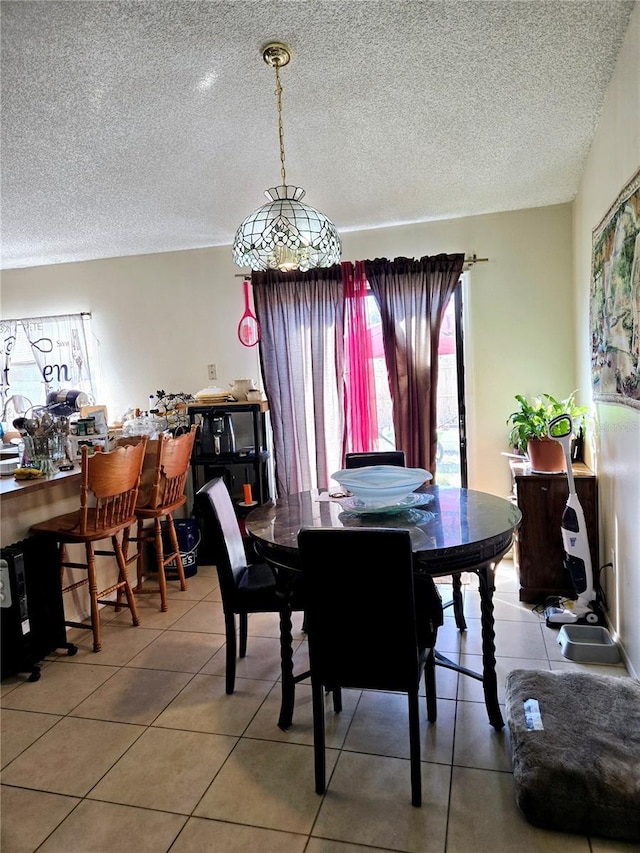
{"x": 529, "y": 426}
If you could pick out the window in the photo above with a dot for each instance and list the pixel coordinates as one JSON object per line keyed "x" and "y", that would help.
{"x": 386, "y": 435}
{"x": 449, "y": 458}
{"x": 23, "y": 373}
{"x": 44, "y": 354}
{"x": 450, "y": 452}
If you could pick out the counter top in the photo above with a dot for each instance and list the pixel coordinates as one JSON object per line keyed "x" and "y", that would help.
{"x": 521, "y": 469}
{"x": 28, "y": 502}
{"x": 10, "y": 487}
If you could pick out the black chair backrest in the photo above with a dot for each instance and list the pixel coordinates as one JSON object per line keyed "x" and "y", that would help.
{"x": 384, "y": 457}
{"x": 359, "y": 604}
{"x": 222, "y": 534}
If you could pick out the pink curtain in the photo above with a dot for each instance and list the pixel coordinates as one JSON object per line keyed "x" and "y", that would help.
{"x": 361, "y": 418}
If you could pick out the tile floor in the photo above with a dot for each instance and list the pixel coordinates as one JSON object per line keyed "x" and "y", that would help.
{"x": 138, "y": 748}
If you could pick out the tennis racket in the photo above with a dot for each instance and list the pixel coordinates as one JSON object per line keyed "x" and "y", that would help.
{"x": 248, "y": 327}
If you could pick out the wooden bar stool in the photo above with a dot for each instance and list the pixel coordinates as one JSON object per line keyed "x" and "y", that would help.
{"x": 172, "y": 458}
{"x": 108, "y": 494}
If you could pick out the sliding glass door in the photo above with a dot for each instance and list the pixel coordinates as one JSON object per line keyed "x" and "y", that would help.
{"x": 451, "y": 450}
{"x": 451, "y": 457}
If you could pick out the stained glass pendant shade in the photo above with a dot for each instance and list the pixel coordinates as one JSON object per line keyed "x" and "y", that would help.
{"x": 285, "y": 234}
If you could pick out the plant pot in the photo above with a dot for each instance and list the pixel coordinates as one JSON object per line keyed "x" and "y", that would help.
{"x": 546, "y": 456}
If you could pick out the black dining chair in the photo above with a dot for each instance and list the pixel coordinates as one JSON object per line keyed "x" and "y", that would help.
{"x": 367, "y": 628}
{"x": 397, "y": 457}
{"x": 245, "y": 587}
{"x": 383, "y": 457}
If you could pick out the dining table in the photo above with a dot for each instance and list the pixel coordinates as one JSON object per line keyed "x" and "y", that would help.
{"x": 452, "y": 530}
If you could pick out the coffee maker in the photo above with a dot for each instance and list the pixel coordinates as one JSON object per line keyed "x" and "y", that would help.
{"x": 216, "y": 434}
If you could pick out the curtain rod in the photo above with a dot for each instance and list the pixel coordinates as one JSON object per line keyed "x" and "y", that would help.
{"x": 474, "y": 259}
{"x": 50, "y": 316}
{"x": 468, "y": 262}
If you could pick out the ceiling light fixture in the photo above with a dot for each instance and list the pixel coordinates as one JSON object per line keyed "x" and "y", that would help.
{"x": 285, "y": 234}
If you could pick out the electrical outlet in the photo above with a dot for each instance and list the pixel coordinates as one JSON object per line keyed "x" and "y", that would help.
{"x": 213, "y": 371}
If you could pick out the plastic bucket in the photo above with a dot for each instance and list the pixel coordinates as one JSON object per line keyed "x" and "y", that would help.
{"x": 188, "y": 536}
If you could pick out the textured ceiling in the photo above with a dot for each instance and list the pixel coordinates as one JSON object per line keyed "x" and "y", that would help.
{"x": 137, "y": 127}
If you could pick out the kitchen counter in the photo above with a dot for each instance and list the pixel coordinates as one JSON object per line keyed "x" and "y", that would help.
{"x": 26, "y": 502}
{"x": 10, "y": 487}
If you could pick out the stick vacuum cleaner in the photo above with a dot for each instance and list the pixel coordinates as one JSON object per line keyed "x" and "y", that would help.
{"x": 584, "y": 608}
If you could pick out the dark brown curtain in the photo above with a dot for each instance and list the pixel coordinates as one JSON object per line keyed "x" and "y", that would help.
{"x": 302, "y": 357}
{"x": 412, "y": 296}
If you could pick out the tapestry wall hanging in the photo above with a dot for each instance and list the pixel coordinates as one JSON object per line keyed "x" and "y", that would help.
{"x": 615, "y": 301}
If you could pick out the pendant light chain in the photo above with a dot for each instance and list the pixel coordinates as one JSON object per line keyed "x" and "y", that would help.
{"x": 285, "y": 234}
{"x": 280, "y": 127}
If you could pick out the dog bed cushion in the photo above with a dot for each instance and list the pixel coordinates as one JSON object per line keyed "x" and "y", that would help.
{"x": 576, "y": 768}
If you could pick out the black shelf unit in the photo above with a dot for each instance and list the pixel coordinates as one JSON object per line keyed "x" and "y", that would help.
{"x": 248, "y": 464}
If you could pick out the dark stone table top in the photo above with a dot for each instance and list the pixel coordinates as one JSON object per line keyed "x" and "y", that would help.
{"x": 460, "y": 529}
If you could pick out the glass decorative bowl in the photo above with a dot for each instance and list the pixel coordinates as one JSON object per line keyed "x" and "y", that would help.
{"x": 412, "y": 501}
{"x": 381, "y": 485}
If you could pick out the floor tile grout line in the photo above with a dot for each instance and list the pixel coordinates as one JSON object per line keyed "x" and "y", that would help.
{"x": 58, "y": 825}
{"x": 453, "y": 752}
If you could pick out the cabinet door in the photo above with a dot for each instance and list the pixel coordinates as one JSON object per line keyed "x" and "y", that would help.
{"x": 540, "y": 549}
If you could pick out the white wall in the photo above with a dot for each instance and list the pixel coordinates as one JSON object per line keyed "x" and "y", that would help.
{"x": 613, "y": 159}
{"x": 159, "y": 319}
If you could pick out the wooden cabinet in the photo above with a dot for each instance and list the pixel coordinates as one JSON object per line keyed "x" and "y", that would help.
{"x": 539, "y": 552}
